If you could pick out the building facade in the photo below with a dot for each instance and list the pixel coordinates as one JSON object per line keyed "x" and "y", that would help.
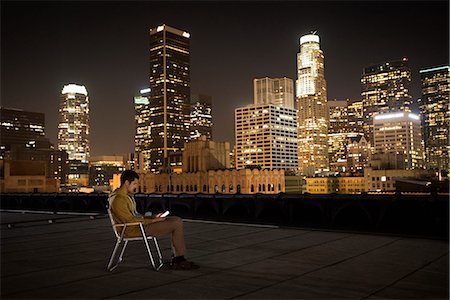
{"x": 266, "y": 137}
{"x": 435, "y": 108}
{"x": 398, "y": 140}
{"x": 278, "y": 91}
{"x": 102, "y": 170}
{"x": 201, "y": 117}
{"x": 385, "y": 180}
{"x": 385, "y": 88}
{"x": 143, "y": 137}
{"x": 311, "y": 98}
{"x": 244, "y": 181}
{"x": 355, "y": 116}
{"x": 20, "y": 128}
{"x": 169, "y": 80}
{"x": 204, "y": 155}
{"x": 74, "y": 132}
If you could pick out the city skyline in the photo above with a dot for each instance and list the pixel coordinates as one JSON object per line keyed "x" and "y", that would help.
{"x": 64, "y": 53}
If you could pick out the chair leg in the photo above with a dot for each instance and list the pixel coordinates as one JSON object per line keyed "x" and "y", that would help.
{"x": 147, "y": 246}
{"x": 113, "y": 255}
{"x": 159, "y": 253}
{"x": 123, "y": 251}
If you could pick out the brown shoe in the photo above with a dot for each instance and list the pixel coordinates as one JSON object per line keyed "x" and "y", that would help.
{"x": 184, "y": 266}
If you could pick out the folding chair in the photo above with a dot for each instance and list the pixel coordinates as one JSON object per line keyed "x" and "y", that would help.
{"x": 121, "y": 238}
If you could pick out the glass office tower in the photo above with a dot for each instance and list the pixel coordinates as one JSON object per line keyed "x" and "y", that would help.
{"x": 170, "y": 95}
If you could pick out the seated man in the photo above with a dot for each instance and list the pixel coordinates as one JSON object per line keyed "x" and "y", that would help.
{"x": 123, "y": 209}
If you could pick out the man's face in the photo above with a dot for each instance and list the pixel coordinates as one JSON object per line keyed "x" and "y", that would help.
{"x": 131, "y": 186}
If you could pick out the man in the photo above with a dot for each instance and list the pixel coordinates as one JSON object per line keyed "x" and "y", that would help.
{"x": 123, "y": 209}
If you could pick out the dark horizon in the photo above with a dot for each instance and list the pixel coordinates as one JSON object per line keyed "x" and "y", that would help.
{"x": 104, "y": 46}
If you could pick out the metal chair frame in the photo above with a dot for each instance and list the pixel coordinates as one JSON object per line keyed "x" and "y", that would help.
{"x": 121, "y": 238}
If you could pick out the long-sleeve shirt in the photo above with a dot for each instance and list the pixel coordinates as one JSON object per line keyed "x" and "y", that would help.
{"x": 123, "y": 210}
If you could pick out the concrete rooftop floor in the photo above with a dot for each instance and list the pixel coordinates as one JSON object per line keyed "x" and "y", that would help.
{"x": 67, "y": 259}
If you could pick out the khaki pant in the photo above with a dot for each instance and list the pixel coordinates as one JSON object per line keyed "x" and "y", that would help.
{"x": 172, "y": 225}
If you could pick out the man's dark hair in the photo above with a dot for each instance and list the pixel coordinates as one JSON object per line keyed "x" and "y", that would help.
{"x": 129, "y": 175}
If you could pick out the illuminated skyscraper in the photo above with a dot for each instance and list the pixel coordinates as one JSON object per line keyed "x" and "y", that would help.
{"x": 266, "y": 137}
{"x": 312, "y": 107}
{"x": 278, "y": 91}
{"x": 73, "y": 131}
{"x": 170, "y": 94}
{"x": 142, "y": 137}
{"x": 398, "y": 140}
{"x": 201, "y": 117}
{"x": 435, "y": 108}
{"x": 385, "y": 88}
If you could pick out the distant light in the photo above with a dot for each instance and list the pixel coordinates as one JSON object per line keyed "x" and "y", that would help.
{"x": 413, "y": 116}
{"x": 388, "y": 116}
{"x": 186, "y": 35}
{"x": 74, "y": 89}
{"x": 383, "y": 178}
{"x": 309, "y": 38}
{"x": 160, "y": 28}
{"x": 145, "y": 91}
{"x": 405, "y": 59}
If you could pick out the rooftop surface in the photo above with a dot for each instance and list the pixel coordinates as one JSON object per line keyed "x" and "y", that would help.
{"x": 67, "y": 259}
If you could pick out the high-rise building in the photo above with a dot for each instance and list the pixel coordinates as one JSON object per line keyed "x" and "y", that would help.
{"x": 266, "y": 137}
{"x": 170, "y": 94}
{"x": 142, "y": 137}
{"x": 398, "y": 140}
{"x": 385, "y": 88}
{"x": 73, "y": 131}
{"x": 355, "y": 116}
{"x": 21, "y": 128}
{"x": 201, "y": 117}
{"x": 312, "y": 107}
{"x": 338, "y": 110}
{"x": 278, "y": 91}
{"x": 435, "y": 108}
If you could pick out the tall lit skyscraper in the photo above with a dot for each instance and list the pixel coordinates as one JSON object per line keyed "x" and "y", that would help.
{"x": 398, "y": 140}
{"x": 435, "y": 109}
{"x": 266, "y": 137}
{"x": 312, "y": 107}
{"x": 142, "y": 137}
{"x": 201, "y": 117}
{"x": 73, "y": 131}
{"x": 170, "y": 94}
{"x": 278, "y": 91}
{"x": 385, "y": 88}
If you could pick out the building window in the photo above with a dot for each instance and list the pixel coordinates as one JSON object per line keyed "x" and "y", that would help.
{"x": 195, "y": 188}
{"x": 178, "y": 188}
{"x": 204, "y": 188}
{"x": 231, "y": 188}
{"x": 259, "y": 188}
{"x": 216, "y": 188}
{"x": 238, "y": 189}
{"x": 252, "y": 189}
{"x": 223, "y": 188}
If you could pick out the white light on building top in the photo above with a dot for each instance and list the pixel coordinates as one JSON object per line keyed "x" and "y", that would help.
{"x": 309, "y": 38}
{"x": 388, "y": 116}
{"x": 160, "y": 28}
{"x": 144, "y": 91}
{"x": 186, "y": 35}
{"x": 413, "y": 116}
{"x": 74, "y": 89}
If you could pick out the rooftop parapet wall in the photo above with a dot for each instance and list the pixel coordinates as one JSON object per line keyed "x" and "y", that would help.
{"x": 412, "y": 214}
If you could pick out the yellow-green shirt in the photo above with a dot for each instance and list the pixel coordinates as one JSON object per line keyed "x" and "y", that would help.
{"x": 123, "y": 210}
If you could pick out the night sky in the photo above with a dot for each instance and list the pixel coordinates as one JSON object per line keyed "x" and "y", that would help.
{"x": 104, "y": 46}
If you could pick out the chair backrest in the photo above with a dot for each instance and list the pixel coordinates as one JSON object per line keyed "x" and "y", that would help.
{"x": 111, "y": 218}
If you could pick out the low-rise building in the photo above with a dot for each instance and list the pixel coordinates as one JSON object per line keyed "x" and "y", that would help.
{"x": 23, "y": 176}
{"x": 385, "y": 180}
{"x": 230, "y": 181}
